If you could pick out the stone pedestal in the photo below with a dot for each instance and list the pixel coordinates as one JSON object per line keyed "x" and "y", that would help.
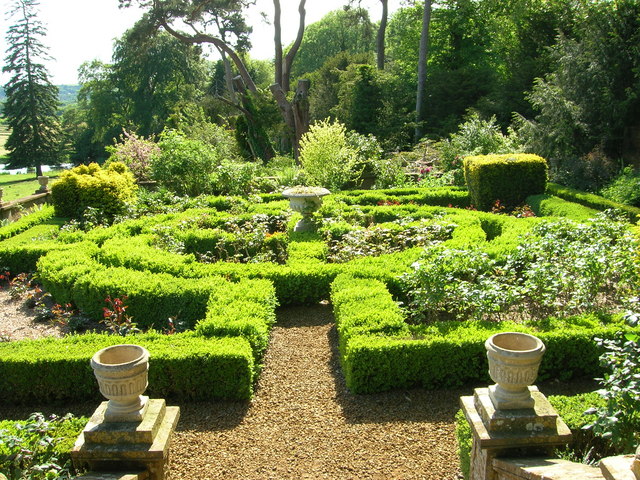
{"x": 124, "y": 446}
{"x": 618, "y": 468}
{"x": 507, "y": 433}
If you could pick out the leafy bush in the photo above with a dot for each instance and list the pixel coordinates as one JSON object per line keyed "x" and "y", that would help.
{"x": 475, "y": 136}
{"x": 560, "y": 267}
{"x": 39, "y": 447}
{"x": 234, "y": 178}
{"x": 184, "y": 165}
{"x": 619, "y": 419}
{"x": 327, "y": 157}
{"x": 106, "y": 190}
{"x": 135, "y": 152}
{"x": 625, "y": 188}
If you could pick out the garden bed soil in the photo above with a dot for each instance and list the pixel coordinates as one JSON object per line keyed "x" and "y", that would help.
{"x": 303, "y": 423}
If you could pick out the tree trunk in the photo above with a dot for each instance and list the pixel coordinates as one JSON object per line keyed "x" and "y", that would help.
{"x": 288, "y": 61}
{"x": 381, "y": 34}
{"x": 278, "y": 42}
{"x": 422, "y": 71}
{"x": 295, "y": 113}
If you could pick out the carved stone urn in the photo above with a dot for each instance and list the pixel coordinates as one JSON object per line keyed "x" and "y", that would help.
{"x": 305, "y": 200}
{"x": 122, "y": 373}
{"x": 43, "y": 180}
{"x": 514, "y": 359}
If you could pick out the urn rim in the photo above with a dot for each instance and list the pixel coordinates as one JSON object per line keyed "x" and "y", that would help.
{"x": 120, "y": 357}
{"x": 514, "y": 343}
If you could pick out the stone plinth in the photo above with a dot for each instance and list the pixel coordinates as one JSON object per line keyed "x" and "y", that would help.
{"x": 618, "y": 468}
{"x": 142, "y": 475}
{"x": 507, "y": 433}
{"x": 125, "y": 446}
{"x": 543, "y": 469}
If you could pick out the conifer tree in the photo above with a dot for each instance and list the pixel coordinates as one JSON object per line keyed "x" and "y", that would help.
{"x": 31, "y": 100}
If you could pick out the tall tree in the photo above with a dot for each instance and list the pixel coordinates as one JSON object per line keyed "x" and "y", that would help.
{"x": 422, "y": 71}
{"x": 382, "y": 29}
{"x": 32, "y": 101}
{"x": 203, "y": 18}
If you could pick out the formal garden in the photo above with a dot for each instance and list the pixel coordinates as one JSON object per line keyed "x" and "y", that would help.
{"x": 416, "y": 277}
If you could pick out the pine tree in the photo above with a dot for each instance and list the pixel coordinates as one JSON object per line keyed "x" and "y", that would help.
{"x": 32, "y": 101}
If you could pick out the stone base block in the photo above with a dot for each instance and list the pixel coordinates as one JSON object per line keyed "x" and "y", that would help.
{"x": 121, "y": 446}
{"x": 142, "y": 475}
{"x": 618, "y": 468}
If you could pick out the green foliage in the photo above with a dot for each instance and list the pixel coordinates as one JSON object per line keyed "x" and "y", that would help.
{"x": 343, "y": 30}
{"x": 508, "y": 178}
{"x": 39, "y": 447}
{"x": 380, "y": 351}
{"x": 550, "y": 206}
{"x": 234, "y": 178}
{"x": 135, "y": 152}
{"x": 326, "y": 156}
{"x": 558, "y": 268}
{"x": 184, "y": 165}
{"x": 464, "y": 439}
{"x": 31, "y": 100}
{"x": 625, "y": 188}
{"x": 219, "y": 368}
{"x": 26, "y": 221}
{"x": 592, "y": 201}
{"x": 107, "y": 190}
{"x": 619, "y": 419}
{"x": 589, "y": 98}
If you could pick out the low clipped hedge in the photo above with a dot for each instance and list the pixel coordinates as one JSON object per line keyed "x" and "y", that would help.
{"x": 510, "y": 178}
{"x": 551, "y": 206}
{"x": 592, "y": 201}
{"x": 183, "y": 366}
{"x": 27, "y": 221}
{"x": 380, "y": 352}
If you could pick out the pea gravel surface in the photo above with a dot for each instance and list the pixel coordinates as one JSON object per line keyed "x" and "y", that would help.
{"x": 303, "y": 423}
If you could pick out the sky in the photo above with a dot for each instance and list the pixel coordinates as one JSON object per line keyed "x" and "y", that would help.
{"x": 83, "y": 30}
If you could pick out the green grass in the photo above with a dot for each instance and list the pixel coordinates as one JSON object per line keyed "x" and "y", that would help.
{"x": 20, "y": 185}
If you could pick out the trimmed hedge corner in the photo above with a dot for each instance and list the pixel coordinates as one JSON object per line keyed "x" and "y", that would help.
{"x": 510, "y": 178}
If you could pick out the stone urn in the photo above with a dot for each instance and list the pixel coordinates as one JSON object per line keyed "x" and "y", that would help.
{"x": 1, "y": 194}
{"x": 43, "y": 180}
{"x": 305, "y": 200}
{"x": 122, "y": 373}
{"x": 635, "y": 465}
{"x": 514, "y": 359}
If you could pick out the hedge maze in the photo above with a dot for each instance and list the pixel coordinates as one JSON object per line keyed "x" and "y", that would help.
{"x": 223, "y": 268}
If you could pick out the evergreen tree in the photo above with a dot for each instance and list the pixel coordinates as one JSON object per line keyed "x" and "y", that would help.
{"x": 32, "y": 101}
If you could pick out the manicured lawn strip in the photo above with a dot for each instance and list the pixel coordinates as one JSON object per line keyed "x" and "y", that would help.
{"x": 591, "y": 200}
{"x": 183, "y": 366}
{"x": 380, "y": 352}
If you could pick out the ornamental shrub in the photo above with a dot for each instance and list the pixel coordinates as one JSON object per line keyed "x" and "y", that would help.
{"x": 107, "y": 190}
{"x": 510, "y": 178}
{"x": 625, "y": 188}
{"x": 135, "y": 152}
{"x": 184, "y": 165}
{"x": 326, "y": 156}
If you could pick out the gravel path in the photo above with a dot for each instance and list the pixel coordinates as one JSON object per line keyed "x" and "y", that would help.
{"x": 303, "y": 423}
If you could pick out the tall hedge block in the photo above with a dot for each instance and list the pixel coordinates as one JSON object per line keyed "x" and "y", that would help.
{"x": 510, "y": 178}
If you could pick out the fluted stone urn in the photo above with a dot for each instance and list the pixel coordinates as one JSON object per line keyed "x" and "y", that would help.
{"x": 122, "y": 374}
{"x": 514, "y": 359}
{"x": 43, "y": 180}
{"x": 305, "y": 200}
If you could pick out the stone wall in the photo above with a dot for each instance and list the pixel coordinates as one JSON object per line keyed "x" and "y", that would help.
{"x": 14, "y": 210}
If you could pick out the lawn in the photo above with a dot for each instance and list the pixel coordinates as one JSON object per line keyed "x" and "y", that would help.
{"x": 20, "y": 185}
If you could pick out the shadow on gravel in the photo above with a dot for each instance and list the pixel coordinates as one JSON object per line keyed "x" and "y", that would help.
{"x": 415, "y": 405}
{"x": 305, "y": 315}
{"x": 211, "y": 416}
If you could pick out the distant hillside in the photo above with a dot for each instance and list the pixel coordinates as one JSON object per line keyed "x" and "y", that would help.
{"x": 67, "y": 93}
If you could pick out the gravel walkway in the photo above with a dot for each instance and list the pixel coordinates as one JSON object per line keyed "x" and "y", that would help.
{"x": 303, "y": 423}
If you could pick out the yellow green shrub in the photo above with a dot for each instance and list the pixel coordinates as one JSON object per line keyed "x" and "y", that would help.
{"x": 107, "y": 190}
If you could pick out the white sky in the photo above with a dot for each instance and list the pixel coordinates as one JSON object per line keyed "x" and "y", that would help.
{"x": 84, "y": 30}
